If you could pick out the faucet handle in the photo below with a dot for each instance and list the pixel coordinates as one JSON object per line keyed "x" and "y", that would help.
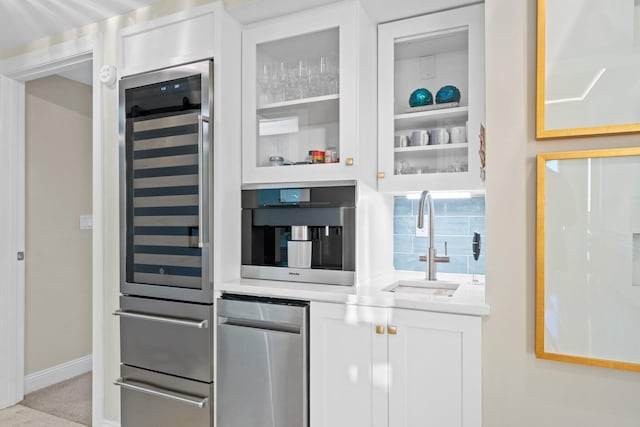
{"x": 440, "y": 258}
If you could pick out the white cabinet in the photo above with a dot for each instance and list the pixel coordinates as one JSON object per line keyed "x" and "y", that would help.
{"x": 348, "y": 366}
{"x": 377, "y": 367}
{"x": 434, "y": 146}
{"x": 309, "y": 87}
{"x": 434, "y": 369}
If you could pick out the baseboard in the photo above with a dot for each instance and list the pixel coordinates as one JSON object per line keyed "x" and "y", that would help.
{"x": 56, "y": 374}
{"x": 107, "y": 423}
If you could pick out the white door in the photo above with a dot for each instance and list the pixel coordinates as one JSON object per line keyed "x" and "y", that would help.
{"x": 348, "y": 369}
{"x": 425, "y": 358}
{"x": 434, "y": 362}
{"x": 11, "y": 240}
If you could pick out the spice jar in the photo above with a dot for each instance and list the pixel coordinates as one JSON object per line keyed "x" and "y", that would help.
{"x": 331, "y": 155}
{"x": 316, "y": 156}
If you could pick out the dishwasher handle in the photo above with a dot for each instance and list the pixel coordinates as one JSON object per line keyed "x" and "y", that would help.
{"x": 263, "y": 325}
{"x": 200, "y": 324}
{"x": 197, "y": 401}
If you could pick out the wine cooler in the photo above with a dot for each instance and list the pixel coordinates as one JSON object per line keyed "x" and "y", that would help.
{"x": 166, "y": 306}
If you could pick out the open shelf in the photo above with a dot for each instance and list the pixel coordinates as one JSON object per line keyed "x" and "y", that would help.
{"x": 425, "y": 119}
{"x": 421, "y": 148}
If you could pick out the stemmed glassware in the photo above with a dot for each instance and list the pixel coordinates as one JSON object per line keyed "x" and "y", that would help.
{"x": 284, "y": 80}
{"x": 328, "y": 71}
{"x": 265, "y": 79}
{"x": 299, "y": 80}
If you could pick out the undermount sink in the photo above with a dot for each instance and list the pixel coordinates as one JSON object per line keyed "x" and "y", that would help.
{"x": 424, "y": 287}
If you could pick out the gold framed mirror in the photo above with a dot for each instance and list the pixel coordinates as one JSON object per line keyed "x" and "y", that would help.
{"x": 588, "y": 257}
{"x": 588, "y": 68}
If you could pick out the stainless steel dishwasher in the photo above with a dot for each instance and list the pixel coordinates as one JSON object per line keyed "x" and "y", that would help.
{"x": 262, "y": 363}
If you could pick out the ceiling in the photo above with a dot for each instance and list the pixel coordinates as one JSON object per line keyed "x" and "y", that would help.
{"x": 23, "y": 21}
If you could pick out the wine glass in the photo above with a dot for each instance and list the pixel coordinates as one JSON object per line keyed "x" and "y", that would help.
{"x": 265, "y": 79}
{"x": 329, "y": 74}
{"x": 279, "y": 82}
{"x": 300, "y": 79}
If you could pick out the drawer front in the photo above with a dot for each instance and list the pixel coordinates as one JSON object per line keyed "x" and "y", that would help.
{"x": 263, "y": 370}
{"x": 150, "y": 399}
{"x": 166, "y": 336}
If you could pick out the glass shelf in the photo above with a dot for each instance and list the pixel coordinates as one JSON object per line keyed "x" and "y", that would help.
{"x": 298, "y": 102}
{"x": 304, "y": 112}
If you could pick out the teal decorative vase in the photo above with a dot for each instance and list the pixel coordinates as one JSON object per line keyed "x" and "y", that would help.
{"x": 447, "y": 93}
{"x": 420, "y": 97}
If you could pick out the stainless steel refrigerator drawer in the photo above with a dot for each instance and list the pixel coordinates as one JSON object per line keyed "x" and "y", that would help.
{"x": 150, "y": 399}
{"x": 167, "y": 336}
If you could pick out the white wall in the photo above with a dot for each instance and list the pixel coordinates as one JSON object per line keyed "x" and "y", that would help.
{"x": 58, "y": 187}
{"x": 519, "y": 389}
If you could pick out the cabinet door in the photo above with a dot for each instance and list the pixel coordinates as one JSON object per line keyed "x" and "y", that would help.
{"x": 348, "y": 366}
{"x": 434, "y": 377}
{"x": 432, "y": 146}
{"x": 300, "y": 96}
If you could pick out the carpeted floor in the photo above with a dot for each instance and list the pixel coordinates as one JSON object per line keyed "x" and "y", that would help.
{"x": 21, "y": 416}
{"x": 70, "y": 400}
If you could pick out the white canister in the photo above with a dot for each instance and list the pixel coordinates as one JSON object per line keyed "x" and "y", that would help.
{"x": 458, "y": 134}
{"x": 438, "y": 136}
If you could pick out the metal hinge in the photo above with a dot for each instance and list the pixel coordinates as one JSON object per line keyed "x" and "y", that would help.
{"x": 20, "y": 256}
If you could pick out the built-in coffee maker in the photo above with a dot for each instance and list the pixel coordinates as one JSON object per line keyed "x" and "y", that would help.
{"x": 303, "y": 234}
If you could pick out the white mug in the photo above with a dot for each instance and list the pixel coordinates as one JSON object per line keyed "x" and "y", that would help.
{"x": 402, "y": 140}
{"x": 419, "y": 137}
{"x": 438, "y": 136}
{"x": 458, "y": 134}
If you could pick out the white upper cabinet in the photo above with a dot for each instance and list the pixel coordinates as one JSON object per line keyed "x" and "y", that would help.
{"x": 186, "y": 36}
{"x": 432, "y": 143}
{"x": 303, "y": 103}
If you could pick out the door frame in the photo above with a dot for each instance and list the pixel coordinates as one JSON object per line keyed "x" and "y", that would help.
{"x": 22, "y": 68}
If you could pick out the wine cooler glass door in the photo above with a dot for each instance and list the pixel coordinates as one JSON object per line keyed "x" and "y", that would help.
{"x": 166, "y": 176}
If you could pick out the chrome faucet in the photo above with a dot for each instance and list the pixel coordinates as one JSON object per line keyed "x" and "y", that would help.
{"x": 431, "y": 258}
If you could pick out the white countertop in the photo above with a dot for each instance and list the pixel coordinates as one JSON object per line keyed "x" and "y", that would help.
{"x": 468, "y": 299}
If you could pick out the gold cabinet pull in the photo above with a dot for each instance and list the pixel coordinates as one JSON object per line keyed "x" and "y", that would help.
{"x": 380, "y": 329}
{"x": 393, "y": 330}
{"x": 380, "y": 175}
{"x": 349, "y": 161}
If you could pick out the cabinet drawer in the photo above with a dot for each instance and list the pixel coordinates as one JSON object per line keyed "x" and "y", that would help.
{"x": 150, "y": 399}
{"x": 167, "y": 336}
